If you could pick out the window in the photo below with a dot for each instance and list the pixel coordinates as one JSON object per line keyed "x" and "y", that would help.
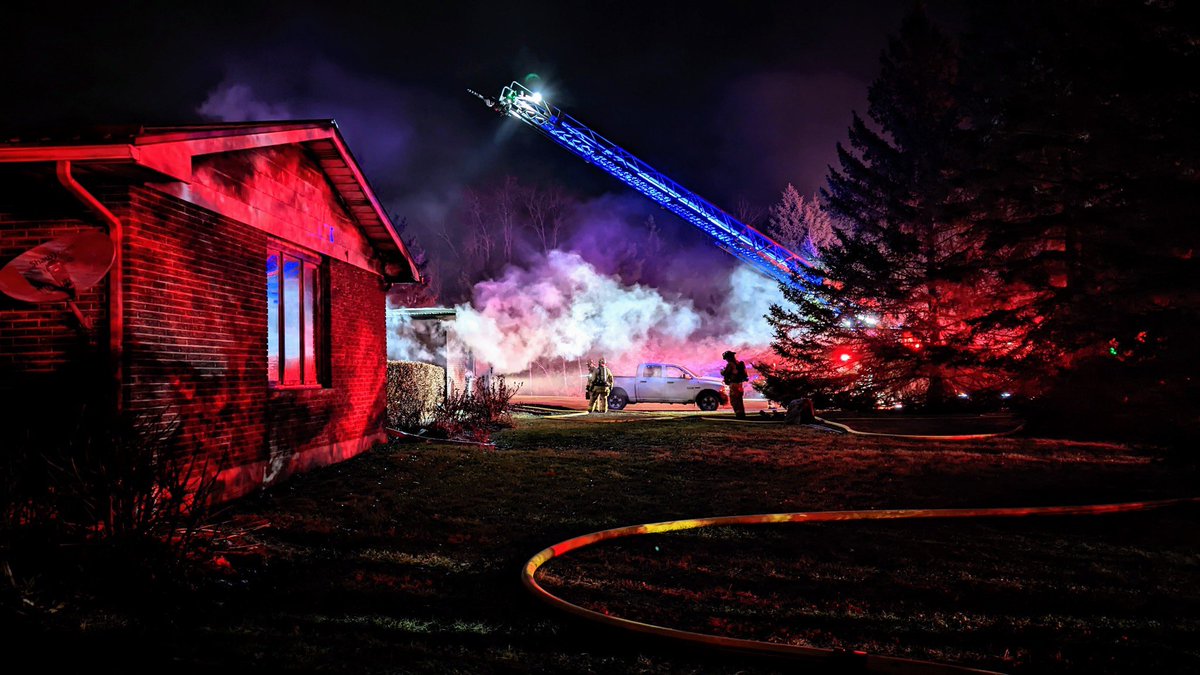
{"x": 676, "y": 373}
{"x": 651, "y": 371}
{"x": 295, "y": 339}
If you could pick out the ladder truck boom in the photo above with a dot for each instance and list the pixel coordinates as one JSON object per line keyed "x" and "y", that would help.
{"x": 746, "y": 243}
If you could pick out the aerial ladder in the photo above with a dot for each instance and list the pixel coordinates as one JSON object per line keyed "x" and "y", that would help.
{"x": 746, "y": 243}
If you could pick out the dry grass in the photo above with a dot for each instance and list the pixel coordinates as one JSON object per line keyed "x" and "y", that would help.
{"x": 407, "y": 559}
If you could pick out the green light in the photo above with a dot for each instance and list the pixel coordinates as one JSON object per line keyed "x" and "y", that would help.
{"x": 530, "y": 77}
{"x": 1112, "y": 350}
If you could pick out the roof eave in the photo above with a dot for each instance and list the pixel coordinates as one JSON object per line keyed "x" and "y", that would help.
{"x": 170, "y": 151}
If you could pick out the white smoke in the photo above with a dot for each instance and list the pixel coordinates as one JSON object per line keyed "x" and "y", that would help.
{"x": 410, "y": 340}
{"x": 750, "y": 298}
{"x": 564, "y": 308}
{"x": 397, "y": 130}
{"x": 235, "y": 101}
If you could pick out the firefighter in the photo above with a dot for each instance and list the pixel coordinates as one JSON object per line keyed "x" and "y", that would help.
{"x": 601, "y": 382}
{"x": 734, "y": 374}
{"x": 587, "y": 384}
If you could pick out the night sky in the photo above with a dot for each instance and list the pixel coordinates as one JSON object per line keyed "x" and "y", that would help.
{"x": 733, "y": 100}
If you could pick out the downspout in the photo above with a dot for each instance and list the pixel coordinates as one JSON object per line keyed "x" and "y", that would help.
{"x": 116, "y": 303}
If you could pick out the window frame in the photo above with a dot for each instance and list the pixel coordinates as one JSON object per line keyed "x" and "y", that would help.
{"x": 310, "y": 263}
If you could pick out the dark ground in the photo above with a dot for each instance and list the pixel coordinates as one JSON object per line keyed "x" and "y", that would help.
{"x": 407, "y": 559}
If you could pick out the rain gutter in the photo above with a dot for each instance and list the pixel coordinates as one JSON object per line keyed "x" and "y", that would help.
{"x": 116, "y": 305}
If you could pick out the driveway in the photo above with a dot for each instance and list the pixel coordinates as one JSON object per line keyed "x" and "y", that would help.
{"x": 753, "y": 405}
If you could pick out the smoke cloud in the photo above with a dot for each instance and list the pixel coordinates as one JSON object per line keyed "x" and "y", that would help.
{"x": 235, "y": 101}
{"x": 564, "y": 308}
{"x": 410, "y": 340}
{"x": 750, "y": 298}
{"x": 789, "y": 135}
{"x": 614, "y": 291}
{"x": 419, "y": 146}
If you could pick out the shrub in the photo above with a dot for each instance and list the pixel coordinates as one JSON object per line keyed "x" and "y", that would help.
{"x": 136, "y": 484}
{"x": 414, "y": 391}
{"x": 1106, "y": 400}
{"x": 111, "y": 496}
{"x": 474, "y": 415}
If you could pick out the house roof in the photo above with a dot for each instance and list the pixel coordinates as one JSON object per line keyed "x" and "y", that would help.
{"x": 168, "y": 150}
{"x": 426, "y": 312}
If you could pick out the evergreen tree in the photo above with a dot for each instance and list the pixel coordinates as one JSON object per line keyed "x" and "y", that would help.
{"x": 820, "y": 233}
{"x": 801, "y": 224}
{"x": 892, "y": 320}
{"x": 1089, "y": 151}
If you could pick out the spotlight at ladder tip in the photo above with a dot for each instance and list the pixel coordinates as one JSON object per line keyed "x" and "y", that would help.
{"x": 536, "y": 97}
{"x": 1005, "y": 395}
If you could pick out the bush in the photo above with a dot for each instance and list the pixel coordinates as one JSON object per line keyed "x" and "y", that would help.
{"x": 113, "y": 497}
{"x": 100, "y": 480}
{"x": 1107, "y": 400}
{"x": 474, "y": 415}
{"x": 414, "y": 392}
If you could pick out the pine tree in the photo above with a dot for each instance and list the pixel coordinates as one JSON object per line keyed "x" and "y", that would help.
{"x": 785, "y": 220}
{"x": 801, "y": 224}
{"x": 821, "y": 234}
{"x": 891, "y": 322}
{"x": 1089, "y": 150}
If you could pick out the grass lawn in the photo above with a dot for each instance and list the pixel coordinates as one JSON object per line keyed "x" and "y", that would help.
{"x": 407, "y": 559}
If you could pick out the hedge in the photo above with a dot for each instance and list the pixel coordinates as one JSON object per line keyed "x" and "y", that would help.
{"x": 414, "y": 391}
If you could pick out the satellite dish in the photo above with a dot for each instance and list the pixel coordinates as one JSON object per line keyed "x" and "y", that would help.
{"x": 57, "y": 270}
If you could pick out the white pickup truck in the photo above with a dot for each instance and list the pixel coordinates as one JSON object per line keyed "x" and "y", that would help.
{"x": 666, "y": 383}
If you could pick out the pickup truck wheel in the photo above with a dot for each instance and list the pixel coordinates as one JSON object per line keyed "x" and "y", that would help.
{"x": 618, "y": 400}
{"x": 707, "y": 400}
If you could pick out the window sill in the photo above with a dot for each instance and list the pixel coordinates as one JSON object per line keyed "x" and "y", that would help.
{"x": 295, "y": 387}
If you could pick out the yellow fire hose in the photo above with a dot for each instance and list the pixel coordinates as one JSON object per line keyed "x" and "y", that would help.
{"x": 853, "y": 660}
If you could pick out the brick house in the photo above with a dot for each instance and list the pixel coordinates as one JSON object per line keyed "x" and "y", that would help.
{"x": 245, "y": 300}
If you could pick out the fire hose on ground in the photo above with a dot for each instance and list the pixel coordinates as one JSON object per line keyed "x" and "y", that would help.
{"x": 396, "y": 433}
{"x": 853, "y": 661}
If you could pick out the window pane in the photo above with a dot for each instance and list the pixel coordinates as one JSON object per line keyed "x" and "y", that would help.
{"x": 674, "y": 373}
{"x": 291, "y": 320}
{"x": 273, "y": 318}
{"x": 310, "y": 320}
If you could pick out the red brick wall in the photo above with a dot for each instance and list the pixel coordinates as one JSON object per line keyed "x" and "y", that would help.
{"x": 50, "y": 368}
{"x": 196, "y": 347}
{"x": 195, "y": 326}
{"x": 283, "y": 191}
